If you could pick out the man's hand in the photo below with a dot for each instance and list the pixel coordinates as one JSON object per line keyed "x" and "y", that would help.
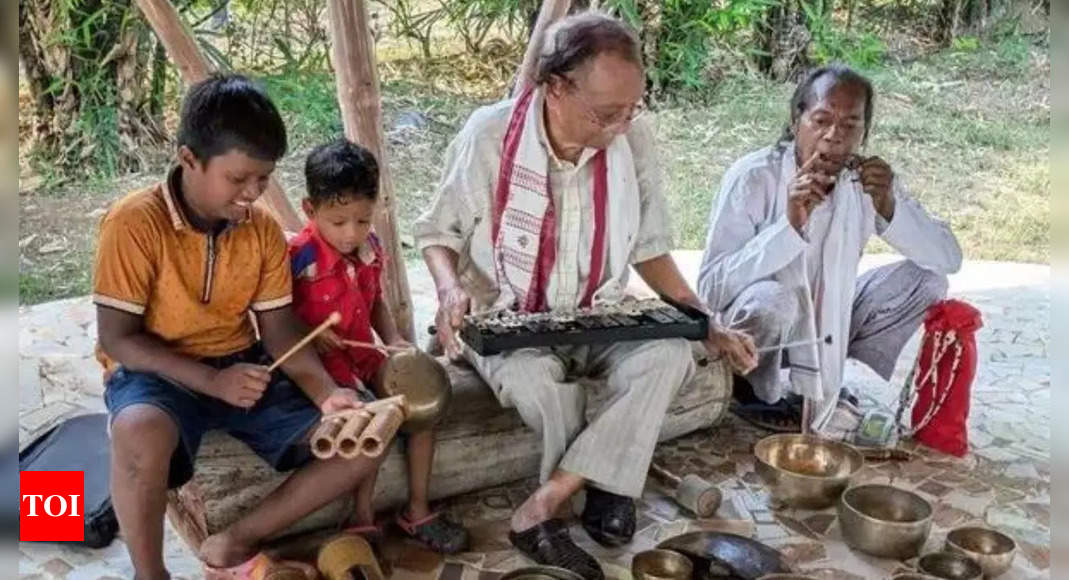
{"x": 736, "y": 346}
{"x": 453, "y": 304}
{"x": 876, "y": 180}
{"x": 241, "y": 385}
{"x": 809, "y": 189}
{"x": 340, "y": 399}
{"x": 328, "y": 341}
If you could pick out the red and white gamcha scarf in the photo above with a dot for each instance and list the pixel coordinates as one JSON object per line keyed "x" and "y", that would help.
{"x": 524, "y": 228}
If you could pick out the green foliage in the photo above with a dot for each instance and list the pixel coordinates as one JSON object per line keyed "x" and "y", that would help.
{"x": 472, "y": 20}
{"x": 308, "y": 103}
{"x": 830, "y": 43}
{"x": 685, "y": 33}
{"x": 965, "y": 44}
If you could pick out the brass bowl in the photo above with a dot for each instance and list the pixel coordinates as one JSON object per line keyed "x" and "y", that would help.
{"x": 950, "y": 566}
{"x": 992, "y": 550}
{"x": 425, "y": 384}
{"x": 541, "y": 573}
{"x": 884, "y": 521}
{"x": 805, "y": 471}
{"x": 661, "y": 565}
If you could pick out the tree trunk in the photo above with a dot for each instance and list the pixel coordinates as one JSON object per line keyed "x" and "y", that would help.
{"x": 949, "y": 21}
{"x": 785, "y": 41}
{"x": 649, "y": 31}
{"x": 34, "y": 22}
{"x": 357, "y": 84}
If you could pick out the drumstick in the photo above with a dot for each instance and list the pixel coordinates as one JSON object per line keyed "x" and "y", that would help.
{"x": 383, "y": 347}
{"x": 825, "y": 340}
{"x": 331, "y": 320}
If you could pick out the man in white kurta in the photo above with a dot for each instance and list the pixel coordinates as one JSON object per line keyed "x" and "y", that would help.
{"x": 784, "y": 242}
{"x": 547, "y": 201}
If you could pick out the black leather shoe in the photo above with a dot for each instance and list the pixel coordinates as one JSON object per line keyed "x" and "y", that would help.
{"x": 550, "y": 544}
{"x": 609, "y": 518}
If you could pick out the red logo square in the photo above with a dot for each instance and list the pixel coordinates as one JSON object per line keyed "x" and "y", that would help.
{"x": 51, "y": 506}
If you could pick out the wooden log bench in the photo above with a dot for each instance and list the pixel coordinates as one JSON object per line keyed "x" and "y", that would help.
{"x": 479, "y": 445}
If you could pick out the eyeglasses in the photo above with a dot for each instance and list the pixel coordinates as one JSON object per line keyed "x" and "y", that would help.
{"x": 628, "y": 115}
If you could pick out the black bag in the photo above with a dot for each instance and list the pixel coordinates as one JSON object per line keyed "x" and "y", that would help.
{"x": 80, "y": 444}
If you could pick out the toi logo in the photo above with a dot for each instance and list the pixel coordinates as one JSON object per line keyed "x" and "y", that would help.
{"x": 51, "y": 506}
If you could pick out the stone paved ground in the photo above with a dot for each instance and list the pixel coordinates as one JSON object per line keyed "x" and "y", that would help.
{"x": 1004, "y": 482}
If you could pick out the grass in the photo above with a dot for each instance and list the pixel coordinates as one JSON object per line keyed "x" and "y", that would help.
{"x": 968, "y": 129}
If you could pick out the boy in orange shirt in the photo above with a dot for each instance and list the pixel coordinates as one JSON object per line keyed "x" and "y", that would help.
{"x": 179, "y": 266}
{"x": 337, "y": 263}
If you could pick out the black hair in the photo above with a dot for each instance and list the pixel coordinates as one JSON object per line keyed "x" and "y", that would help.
{"x": 340, "y": 170}
{"x": 228, "y": 111}
{"x": 804, "y": 95}
{"x": 575, "y": 40}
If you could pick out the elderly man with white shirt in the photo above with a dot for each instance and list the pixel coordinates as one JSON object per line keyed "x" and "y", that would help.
{"x": 781, "y": 258}
{"x": 547, "y": 201}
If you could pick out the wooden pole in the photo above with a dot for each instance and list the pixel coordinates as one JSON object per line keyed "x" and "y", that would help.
{"x": 361, "y": 113}
{"x": 550, "y": 12}
{"x": 187, "y": 56}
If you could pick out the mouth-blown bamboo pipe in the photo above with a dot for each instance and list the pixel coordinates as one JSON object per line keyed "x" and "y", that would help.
{"x": 348, "y": 440}
{"x": 380, "y": 431}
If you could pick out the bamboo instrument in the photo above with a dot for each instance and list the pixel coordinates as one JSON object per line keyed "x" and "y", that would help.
{"x": 348, "y": 440}
{"x": 342, "y": 433}
{"x": 331, "y": 320}
{"x": 388, "y": 349}
{"x": 325, "y": 437}
{"x": 380, "y": 431}
{"x": 689, "y": 491}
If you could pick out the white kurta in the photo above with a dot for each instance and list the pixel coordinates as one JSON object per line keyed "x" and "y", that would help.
{"x": 749, "y": 240}
{"x": 459, "y": 216}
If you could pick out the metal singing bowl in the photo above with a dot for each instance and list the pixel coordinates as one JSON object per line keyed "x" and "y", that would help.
{"x": 805, "y": 471}
{"x": 661, "y": 565}
{"x": 884, "y": 521}
{"x": 541, "y": 573}
{"x": 425, "y": 384}
{"x": 950, "y": 566}
{"x": 993, "y": 551}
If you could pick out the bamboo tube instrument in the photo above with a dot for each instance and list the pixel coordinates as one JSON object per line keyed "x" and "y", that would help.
{"x": 364, "y": 431}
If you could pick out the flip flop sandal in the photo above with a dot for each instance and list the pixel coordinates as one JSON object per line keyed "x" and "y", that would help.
{"x": 776, "y": 418}
{"x": 258, "y": 567}
{"x": 437, "y": 532}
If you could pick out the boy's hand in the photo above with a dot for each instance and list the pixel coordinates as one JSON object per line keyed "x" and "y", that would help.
{"x": 340, "y": 399}
{"x": 241, "y": 385}
{"x": 327, "y": 341}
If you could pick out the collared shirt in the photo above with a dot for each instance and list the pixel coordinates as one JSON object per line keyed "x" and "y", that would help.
{"x": 194, "y": 289}
{"x": 571, "y": 185}
{"x": 325, "y": 281}
{"x": 459, "y": 217}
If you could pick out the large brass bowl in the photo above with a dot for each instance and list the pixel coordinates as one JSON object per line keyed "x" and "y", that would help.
{"x": 884, "y": 521}
{"x": 805, "y": 471}
{"x": 425, "y": 384}
{"x": 992, "y": 550}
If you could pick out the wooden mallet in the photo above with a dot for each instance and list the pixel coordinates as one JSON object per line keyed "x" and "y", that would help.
{"x": 331, "y": 320}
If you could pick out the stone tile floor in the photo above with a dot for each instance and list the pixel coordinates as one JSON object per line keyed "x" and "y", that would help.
{"x": 1004, "y": 482}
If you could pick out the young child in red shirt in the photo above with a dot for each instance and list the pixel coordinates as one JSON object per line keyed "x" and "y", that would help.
{"x": 337, "y": 262}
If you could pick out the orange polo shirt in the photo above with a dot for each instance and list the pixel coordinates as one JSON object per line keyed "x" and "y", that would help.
{"x": 194, "y": 289}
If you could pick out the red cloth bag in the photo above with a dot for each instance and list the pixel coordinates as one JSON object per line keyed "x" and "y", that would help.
{"x": 942, "y": 378}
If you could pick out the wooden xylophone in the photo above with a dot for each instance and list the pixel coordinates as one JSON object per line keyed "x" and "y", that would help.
{"x": 496, "y": 332}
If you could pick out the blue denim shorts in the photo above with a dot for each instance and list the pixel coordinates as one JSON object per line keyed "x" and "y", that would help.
{"x": 275, "y": 428}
